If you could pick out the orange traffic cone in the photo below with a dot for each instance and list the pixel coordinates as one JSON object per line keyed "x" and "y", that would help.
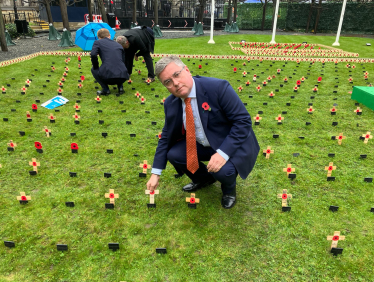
{"x": 118, "y": 23}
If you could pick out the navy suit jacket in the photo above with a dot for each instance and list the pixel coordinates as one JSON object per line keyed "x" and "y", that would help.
{"x": 111, "y": 55}
{"x": 227, "y": 125}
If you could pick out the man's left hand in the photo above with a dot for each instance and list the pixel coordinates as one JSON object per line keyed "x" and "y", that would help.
{"x": 216, "y": 163}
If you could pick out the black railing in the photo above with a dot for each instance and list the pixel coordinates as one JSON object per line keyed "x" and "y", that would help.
{"x": 29, "y": 16}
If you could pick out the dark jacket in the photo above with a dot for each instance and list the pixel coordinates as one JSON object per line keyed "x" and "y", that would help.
{"x": 227, "y": 125}
{"x": 111, "y": 55}
{"x": 141, "y": 41}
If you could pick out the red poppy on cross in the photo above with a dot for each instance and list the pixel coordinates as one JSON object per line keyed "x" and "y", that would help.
{"x": 76, "y": 106}
{"x": 240, "y": 88}
{"x": 34, "y": 164}
{"x": 23, "y": 89}
{"x": 142, "y": 100}
{"x": 310, "y": 110}
{"x": 38, "y": 145}
{"x": 34, "y": 106}
{"x": 98, "y": 99}
{"x": 333, "y": 110}
{"x": 258, "y": 88}
{"x": 76, "y": 116}
{"x": 47, "y": 131}
{"x": 111, "y": 196}
{"x": 284, "y": 196}
{"x": 80, "y": 85}
{"x": 279, "y": 118}
{"x": 247, "y": 83}
{"x": 145, "y": 166}
{"x": 358, "y": 110}
{"x": 137, "y": 94}
{"x": 271, "y": 94}
{"x": 11, "y": 144}
{"x": 367, "y": 136}
{"x": 60, "y": 90}
{"x": 268, "y": 151}
{"x": 340, "y": 138}
{"x": 330, "y": 168}
{"x": 192, "y": 199}
{"x": 3, "y": 89}
{"x": 23, "y": 197}
{"x": 289, "y": 169}
{"x": 152, "y": 195}
{"x": 334, "y": 239}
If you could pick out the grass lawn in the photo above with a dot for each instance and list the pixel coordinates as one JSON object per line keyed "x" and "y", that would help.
{"x": 254, "y": 241}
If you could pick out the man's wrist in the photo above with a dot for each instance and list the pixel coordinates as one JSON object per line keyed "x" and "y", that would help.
{"x": 223, "y": 154}
{"x": 156, "y": 171}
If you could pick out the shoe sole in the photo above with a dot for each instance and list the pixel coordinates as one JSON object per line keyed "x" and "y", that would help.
{"x": 205, "y": 185}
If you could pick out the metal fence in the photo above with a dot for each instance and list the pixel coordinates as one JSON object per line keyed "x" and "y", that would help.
{"x": 29, "y": 16}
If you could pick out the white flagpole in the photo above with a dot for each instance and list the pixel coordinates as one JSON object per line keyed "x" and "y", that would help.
{"x": 336, "y": 43}
{"x": 211, "y": 41}
{"x": 275, "y": 22}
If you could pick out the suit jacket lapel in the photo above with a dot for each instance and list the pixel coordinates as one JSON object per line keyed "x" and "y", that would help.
{"x": 202, "y": 97}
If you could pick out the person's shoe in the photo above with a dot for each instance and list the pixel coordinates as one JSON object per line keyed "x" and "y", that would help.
{"x": 228, "y": 200}
{"x": 103, "y": 92}
{"x": 120, "y": 90}
{"x": 196, "y": 186}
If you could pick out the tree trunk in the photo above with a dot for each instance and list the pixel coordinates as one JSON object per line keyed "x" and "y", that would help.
{"x": 235, "y": 2}
{"x": 264, "y": 14}
{"x": 155, "y": 7}
{"x": 318, "y": 14}
{"x": 229, "y": 12}
{"x": 100, "y": 4}
{"x": 48, "y": 10}
{"x": 4, "y": 47}
{"x": 310, "y": 16}
{"x": 201, "y": 11}
{"x": 89, "y": 11}
{"x": 134, "y": 11}
{"x": 64, "y": 14}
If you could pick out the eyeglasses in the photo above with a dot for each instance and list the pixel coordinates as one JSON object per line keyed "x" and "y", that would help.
{"x": 169, "y": 82}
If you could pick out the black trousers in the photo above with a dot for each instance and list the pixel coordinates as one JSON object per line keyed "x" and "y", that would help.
{"x": 104, "y": 83}
{"x": 226, "y": 175}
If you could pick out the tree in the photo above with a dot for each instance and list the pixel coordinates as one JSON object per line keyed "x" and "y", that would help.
{"x": 4, "y": 46}
{"x": 100, "y": 4}
{"x": 89, "y": 11}
{"x": 229, "y": 12}
{"x": 155, "y": 7}
{"x": 318, "y": 15}
{"x": 134, "y": 11}
{"x": 200, "y": 16}
{"x": 312, "y": 3}
{"x": 235, "y": 2}
{"x": 64, "y": 14}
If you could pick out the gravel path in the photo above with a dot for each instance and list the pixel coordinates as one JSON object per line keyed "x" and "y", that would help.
{"x": 41, "y": 43}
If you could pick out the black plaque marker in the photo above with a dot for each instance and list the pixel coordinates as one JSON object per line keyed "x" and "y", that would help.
{"x": 333, "y": 208}
{"x": 107, "y": 175}
{"x": 109, "y": 206}
{"x": 109, "y": 151}
{"x": 70, "y": 204}
{"x": 161, "y": 250}
{"x": 128, "y": 122}
{"x": 62, "y": 247}
{"x": 331, "y": 178}
{"x": 286, "y": 209}
{"x": 368, "y": 179}
{"x": 113, "y": 246}
{"x": 292, "y": 176}
{"x": 9, "y": 244}
{"x": 151, "y": 206}
{"x": 132, "y": 135}
{"x": 331, "y": 155}
{"x": 336, "y": 251}
{"x": 73, "y": 174}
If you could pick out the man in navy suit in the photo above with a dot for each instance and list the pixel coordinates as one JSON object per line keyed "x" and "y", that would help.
{"x": 222, "y": 129}
{"x": 113, "y": 69}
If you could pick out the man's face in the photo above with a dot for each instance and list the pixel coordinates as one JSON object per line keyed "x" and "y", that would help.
{"x": 180, "y": 85}
{"x": 127, "y": 45}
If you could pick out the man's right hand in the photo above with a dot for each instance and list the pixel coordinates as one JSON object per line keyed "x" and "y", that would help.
{"x": 152, "y": 183}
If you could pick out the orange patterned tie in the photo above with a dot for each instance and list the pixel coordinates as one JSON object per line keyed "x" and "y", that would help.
{"x": 191, "y": 151}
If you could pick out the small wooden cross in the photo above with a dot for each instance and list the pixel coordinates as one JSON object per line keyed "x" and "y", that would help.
{"x": 288, "y": 169}
{"x": 11, "y": 144}
{"x": 60, "y": 90}
{"x": 98, "y": 99}
{"x": 340, "y": 137}
{"x": 268, "y": 151}
{"x": 34, "y": 164}
{"x": 137, "y": 94}
{"x": 23, "y": 89}
{"x": 258, "y": 88}
{"x": 159, "y": 135}
{"x": 358, "y": 110}
{"x": 240, "y": 88}
{"x": 279, "y": 118}
{"x": 257, "y": 118}
{"x": 142, "y": 100}
{"x": 51, "y": 117}
{"x": 47, "y": 131}
{"x": 284, "y": 196}
{"x": 76, "y": 116}
{"x": 334, "y": 239}
{"x": 247, "y": 83}
{"x": 192, "y": 199}
{"x": 330, "y": 168}
{"x": 60, "y": 83}
{"x": 148, "y": 81}
{"x": 310, "y": 110}
{"x": 145, "y": 166}
{"x": 23, "y": 197}
{"x": 3, "y": 89}
{"x": 152, "y": 195}
{"x": 244, "y": 73}
{"x": 367, "y": 136}
{"x": 163, "y": 100}
{"x": 333, "y": 110}
{"x": 111, "y": 196}
{"x": 76, "y": 106}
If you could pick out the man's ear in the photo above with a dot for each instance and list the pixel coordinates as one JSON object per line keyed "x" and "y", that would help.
{"x": 187, "y": 70}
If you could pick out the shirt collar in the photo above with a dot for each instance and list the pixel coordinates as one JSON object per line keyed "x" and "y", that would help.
{"x": 193, "y": 91}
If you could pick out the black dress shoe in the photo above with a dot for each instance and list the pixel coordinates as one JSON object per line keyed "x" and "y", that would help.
{"x": 196, "y": 186}
{"x": 103, "y": 92}
{"x": 120, "y": 90}
{"x": 228, "y": 201}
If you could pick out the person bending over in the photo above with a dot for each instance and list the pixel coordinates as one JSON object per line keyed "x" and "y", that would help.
{"x": 112, "y": 70}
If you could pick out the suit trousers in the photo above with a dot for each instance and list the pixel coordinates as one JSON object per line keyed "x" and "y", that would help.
{"x": 226, "y": 175}
{"x": 104, "y": 83}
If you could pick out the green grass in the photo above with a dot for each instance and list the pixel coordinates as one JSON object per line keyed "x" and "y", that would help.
{"x": 254, "y": 241}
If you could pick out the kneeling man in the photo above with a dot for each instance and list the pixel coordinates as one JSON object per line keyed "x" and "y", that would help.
{"x": 205, "y": 120}
{"x": 113, "y": 69}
